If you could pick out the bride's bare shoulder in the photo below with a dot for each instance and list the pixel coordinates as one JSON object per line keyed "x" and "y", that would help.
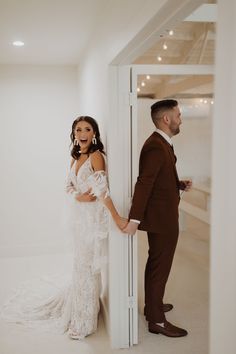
{"x": 97, "y": 161}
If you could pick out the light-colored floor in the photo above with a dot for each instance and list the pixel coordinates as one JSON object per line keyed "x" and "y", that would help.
{"x": 187, "y": 289}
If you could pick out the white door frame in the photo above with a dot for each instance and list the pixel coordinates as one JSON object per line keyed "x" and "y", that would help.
{"x": 223, "y": 221}
{"x": 123, "y": 148}
{"x": 120, "y": 245}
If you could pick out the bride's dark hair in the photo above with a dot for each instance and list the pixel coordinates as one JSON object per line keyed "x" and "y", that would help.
{"x": 75, "y": 152}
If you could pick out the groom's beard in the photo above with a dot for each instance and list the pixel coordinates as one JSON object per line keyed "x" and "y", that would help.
{"x": 174, "y": 128}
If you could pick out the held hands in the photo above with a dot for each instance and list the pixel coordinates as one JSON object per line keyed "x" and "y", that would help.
{"x": 121, "y": 222}
{"x": 131, "y": 228}
{"x": 127, "y": 227}
{"x": 86, "y": 197}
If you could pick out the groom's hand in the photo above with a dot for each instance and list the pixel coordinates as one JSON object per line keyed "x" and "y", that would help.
{"x": 186, "y": 185}
{"x": 131, "y": 228}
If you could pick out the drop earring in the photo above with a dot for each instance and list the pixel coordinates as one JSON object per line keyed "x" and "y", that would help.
{"x": 94, "y": 140}
{"x": 76, "y": 142}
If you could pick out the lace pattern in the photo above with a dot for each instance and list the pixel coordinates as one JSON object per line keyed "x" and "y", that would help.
{"x": 74, "y": 304}
{"x": 98, "y": 182}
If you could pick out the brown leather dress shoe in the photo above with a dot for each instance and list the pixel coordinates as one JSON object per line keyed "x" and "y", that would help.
{"x": 168, "y": 330}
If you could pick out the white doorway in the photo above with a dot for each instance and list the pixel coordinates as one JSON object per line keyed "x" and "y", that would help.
{"x": 140, "y": 131}
{"x": 124, "y": 250}
{"x": 123, "y": 288}
{"x": 193, "y": 247}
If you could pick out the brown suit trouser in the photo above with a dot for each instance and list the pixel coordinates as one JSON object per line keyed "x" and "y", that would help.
{"x": 160, "y": 257}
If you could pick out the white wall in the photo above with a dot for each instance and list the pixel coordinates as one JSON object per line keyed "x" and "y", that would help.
{"x": 38, "y": 105}
{"x": 193, "y": 144}
{"x": 120, "y": 23}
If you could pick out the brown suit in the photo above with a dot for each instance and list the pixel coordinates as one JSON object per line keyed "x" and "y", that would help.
{"x": 155, "y": 204}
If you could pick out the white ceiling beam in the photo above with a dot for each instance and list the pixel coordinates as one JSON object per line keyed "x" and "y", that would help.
{"x": 169, "y": 90}
{"x": 173, "y": 69}
{"x": 167, "y": 17}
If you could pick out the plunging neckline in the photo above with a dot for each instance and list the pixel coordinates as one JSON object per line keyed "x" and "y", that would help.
{"x": 76, "y": 174}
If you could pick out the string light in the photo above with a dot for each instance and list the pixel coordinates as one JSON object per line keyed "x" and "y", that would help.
{"x": 138, "y": 89}
{"x": 18, "y": 43}
{"x": 165, "y": 46}
{"x": 171, "y": 32}
{"x": 143, "y": 83}
{"x": 148, "y": 77}
{"x": 205, "y": 101}
{"x": 159, "y": 58}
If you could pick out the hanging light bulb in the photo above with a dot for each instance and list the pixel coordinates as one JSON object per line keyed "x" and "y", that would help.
{"x": 165, "y": 46}
{"x": 171, "y": 32}
{"x": 143, "y": 83}
{"x": 148, "y": 77}
{"x": 18, "y": 43}
{"x": 138, "y": 89}
{"x": 159, "y": 58}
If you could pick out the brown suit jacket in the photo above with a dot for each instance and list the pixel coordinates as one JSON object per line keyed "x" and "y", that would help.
{"x": 156, "y": 195}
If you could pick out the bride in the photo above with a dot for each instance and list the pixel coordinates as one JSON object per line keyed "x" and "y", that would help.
{"x": 75, "y": 307}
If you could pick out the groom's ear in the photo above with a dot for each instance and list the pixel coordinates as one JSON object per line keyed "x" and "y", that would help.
{"x": 166, "y": 119}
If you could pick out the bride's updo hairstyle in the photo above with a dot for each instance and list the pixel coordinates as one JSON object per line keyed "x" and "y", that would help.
{"x": 75, "y": 152}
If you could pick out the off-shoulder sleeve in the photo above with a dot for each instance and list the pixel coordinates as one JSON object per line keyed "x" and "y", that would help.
{"x": 99, "y": 184}
{"x": 70, "y": 188}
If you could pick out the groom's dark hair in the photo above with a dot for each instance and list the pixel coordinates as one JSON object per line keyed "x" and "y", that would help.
{"x": 160, "y": 107}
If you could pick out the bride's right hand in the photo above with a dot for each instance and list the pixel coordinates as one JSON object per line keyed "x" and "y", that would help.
{"x": 121, "y": 222}
{"x": 86, "y": 197}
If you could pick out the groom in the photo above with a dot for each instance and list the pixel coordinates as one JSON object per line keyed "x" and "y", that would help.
{"x": 155, "y": 210}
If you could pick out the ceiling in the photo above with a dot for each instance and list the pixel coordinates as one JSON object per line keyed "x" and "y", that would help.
{"x": 54, "y": 31}
{"x": 176, "y": 86}
{"x": 192, "y": 42}
{"x": 58, "y": 31}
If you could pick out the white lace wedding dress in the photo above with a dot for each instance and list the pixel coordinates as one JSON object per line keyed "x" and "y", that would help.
{"x": 74, "y": 306}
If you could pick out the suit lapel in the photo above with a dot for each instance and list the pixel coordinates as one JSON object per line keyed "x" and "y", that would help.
{"x": 173, "y": 159}
{"x": 171, "y": 154}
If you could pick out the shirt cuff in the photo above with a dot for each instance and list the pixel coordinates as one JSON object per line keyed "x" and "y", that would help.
{"x": 136, "y": 221}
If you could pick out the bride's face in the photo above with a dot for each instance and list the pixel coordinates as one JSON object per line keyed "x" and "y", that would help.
{"x": 84, "y": 134}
